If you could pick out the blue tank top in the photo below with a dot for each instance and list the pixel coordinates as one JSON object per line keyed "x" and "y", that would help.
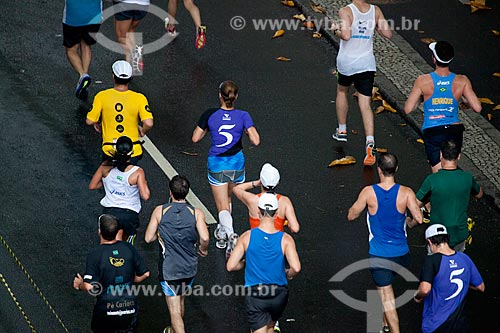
{"x": 387, "y": 227}
{"x": 82, "y": 12}
{"x": 442, "y": 107}
{"x": 265, "y": 261}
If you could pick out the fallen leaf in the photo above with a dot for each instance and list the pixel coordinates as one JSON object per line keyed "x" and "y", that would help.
{"x": 420, "y": 141}
{"x": 377, "y": 97}
{"x": 354, "y": 132}
{"x": 421, "y": 32}
{"x": 477, "y": 5}
{"x": 403, "y": 124}
{"x": 278, "y": 33}
{"x": 490, "y": 116}
{"x": 288, "y": 3}
{"x": 495, "y": 32}
{"x": 427, "y": 40}
{"x": 343, "y": 161}
{"x": 299, "y": 17}
{"x": 189, "y": 153}
{"x": 283, "y": 59}
{"x": 496, "y": 74}
{"x": 496, "y": 107}
{"x": 388, "y": 107}
{"x": 316, "y": 35}
{"x": 485, "y": 100}
{"x": 318, "y": 8}
{"x": 380, "y": 109}
{"x": 308, "y": 24}
{"x": 381, "y": 150}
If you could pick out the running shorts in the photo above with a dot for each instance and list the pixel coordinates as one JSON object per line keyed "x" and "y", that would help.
{"x": 176, "y": 287}
{"x": 129, "y": 11}
{"x": 128, "y": 220}
{"x": 434, "y": 136}
{"x": 114, "y": 324}
{"x": 226, "y": 169}
{"x": 363, "y": 82}
{"x": 265, "y": 308}
{"x": 74, "y": 35}
{"x": 383, "y": 270}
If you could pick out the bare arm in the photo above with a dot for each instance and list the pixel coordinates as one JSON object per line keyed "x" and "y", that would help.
{"x": 414, "y": 208}
{"x": 383, "y": 28}
{"x": 471, "y": 97}
{"x": 293, "y": 223}
{"x": 139, "y": 279}
{"x": 152, "y": 229}
{"x": 291, "y": 256}
{"x": 345, "y": 16}
{"x": 147, "y": 125}
{"x": 142, "y": 184}
{"x": 241, "y": 192}
{"x": 202, "y": 229}
{"x": 236, "y": 261}
{"x": 423, "y": 290}
{"x": 480, "y": 288}
{"x": 198, "y": 134}
{"x": 96, "y": 181}
{"x": 415, "y": 97}
{"x": 480, "y": 194}
{"x": 253, "y": 135}
{"x": 359, "y": 205}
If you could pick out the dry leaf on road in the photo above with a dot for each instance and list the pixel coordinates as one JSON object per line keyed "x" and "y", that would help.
{"x": 490, "y": 116}
{"x": 288, "y": 3}
{"x": 278, "y": 33}
{"x": 380, "y": 109}
{"x": 189, "y": 153}
{"x": 299, "y": 17}
{"x": 496, "y": 107}
{"x": 486, "y": 100}
{"x": 318, "y": 8}
{"x": 420, "y": 141}
{"x": 388, "y": 107}
{"x": 308, "y": 24}
{"x": 381, "y": 150}
{"x": 343, "y": 161}
{"x": 495, "y": 32}
{"x": 477, "y": 5}
{"x": 496, "y": 74}
{"x": 427, "y": 40}
{"x": 317, "y": 35}
{"x": 283, "y": 59}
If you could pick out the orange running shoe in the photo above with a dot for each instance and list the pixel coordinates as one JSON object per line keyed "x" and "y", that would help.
{"x": 370, "y": 154}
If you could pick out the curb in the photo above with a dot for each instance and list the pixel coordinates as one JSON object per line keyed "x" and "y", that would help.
{"x": 395, "y": 98}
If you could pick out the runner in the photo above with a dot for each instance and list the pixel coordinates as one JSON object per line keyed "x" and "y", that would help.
{"x": 194, "y": 11}
{"x": 449, "y": 191}
{"x": 265, "y": 275}
{"x": 444, "y": 281}
{"x": 356, "y": 64}
{"x": 441, "y": 121}
{"x": 178, "y": 226}
{"x": 124, "y": 185}
{"x": 128, "y": 14}
{"x": 114, "y": 266}
{"x": 81, "y": 18}
{"x": 269, "y": 179}
{"x": 387, "y": 203}
{"x": 119, "y": 111}
{"x": 226, "y": 161}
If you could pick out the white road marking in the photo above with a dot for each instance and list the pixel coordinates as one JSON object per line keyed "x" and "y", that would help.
{"x": 170, "y": 172}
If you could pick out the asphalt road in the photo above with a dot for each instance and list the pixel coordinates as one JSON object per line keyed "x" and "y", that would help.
{"x": 49, "y": 216}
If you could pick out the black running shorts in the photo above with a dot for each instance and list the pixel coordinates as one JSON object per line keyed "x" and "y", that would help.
{"x": 74, "y": 35}
{"x": 434, "y": 136}
{"x": 363, "y": 82}
{"x": 267, "y": 307}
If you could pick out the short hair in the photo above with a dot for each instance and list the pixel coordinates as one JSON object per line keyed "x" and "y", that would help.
{"x": 449, "y": 150}
{"x": 108, "y": 225}
{"x": 121, "y": 81}
{"x": 388, "y": 163}
{"x": 439, "y": 239}
{"x": 179, "y": 186}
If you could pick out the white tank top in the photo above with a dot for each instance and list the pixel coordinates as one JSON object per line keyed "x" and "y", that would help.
{"x": 119, "y": 192}
{"x": 356, "y": 54}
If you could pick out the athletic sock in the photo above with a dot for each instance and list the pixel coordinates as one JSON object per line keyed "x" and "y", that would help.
{"x": 370, "y": 138}
{"x": 342, "y": 127}
{"x": 226, "y": 220}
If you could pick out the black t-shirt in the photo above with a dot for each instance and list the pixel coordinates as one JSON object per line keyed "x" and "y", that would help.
{"x": 111, "y": 269}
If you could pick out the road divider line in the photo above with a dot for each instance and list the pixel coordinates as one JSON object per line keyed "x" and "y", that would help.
{"x": 170, "y": 172}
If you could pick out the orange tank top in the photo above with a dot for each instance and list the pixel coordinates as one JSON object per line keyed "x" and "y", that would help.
{"x": 279, "y": 222}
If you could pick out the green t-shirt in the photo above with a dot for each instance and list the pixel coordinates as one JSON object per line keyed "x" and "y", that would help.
{"x": 449, "y": 193}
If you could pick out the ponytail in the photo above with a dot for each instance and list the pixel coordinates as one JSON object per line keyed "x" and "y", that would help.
{"x": 228, "y": 91}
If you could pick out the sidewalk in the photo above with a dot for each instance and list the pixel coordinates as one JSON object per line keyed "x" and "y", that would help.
{"x": 398, "y": 65}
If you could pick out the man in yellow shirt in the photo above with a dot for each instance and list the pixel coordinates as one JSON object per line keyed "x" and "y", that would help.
{"x": 119, "y": 111}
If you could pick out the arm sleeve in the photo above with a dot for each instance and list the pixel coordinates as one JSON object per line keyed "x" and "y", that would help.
{"x": 475, "y": 187}
{"x": 430, "y": 268}
{"x": 92, "y": 268}
{"x": 94, "y": 113}
{"x": 247, "y": 120}
{"x": 144, "y": 111}
{"x": 203, "y": 121}
{"x": 424, "y": 191}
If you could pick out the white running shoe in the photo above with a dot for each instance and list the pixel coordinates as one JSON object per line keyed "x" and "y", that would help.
{"x": 221, "y": 236}
{"x": 231, "y": 243}
{"x": 137, "y": 60}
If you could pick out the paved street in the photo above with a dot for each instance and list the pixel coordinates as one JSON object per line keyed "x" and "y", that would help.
{"x": 49, "y": 217}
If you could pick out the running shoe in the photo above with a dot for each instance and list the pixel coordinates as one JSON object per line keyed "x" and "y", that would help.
{"x": 220, "y": 236}
{"x": 426, "y": 215}
{"x": 131, "y": 239}
{"x": 277, "y": 327}
{"x": 340, "y": 136}
{"x": 82, "y": 86}
{"x": 385, "y": 329}
{"x": 201, "y": 37}
{"x": 137, "y": 60}
{"x": 167, "y": 329}
{"x": 170, "y": 28}
{"x": 370, "y": 154}
{"x": 231, "y": 243}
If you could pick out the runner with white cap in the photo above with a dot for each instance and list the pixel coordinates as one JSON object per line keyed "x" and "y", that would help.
{"x": 441, "y": 91}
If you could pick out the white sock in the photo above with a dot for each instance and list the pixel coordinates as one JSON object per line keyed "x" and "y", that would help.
{"x": 370, "y": 138}
{"x": 342, "y": 127}
{"x": 226, "y": 220}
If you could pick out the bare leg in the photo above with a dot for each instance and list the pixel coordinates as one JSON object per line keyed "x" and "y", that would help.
{"x": 193, "y": 11}
{"x": 121, "y": 29}
{"x": 342, "y": 105}
{"x": 172, "y": 12}
{"x": 86, "y": 51}
{"x": 366, "y": 113}
{"x": 175, "y": 310}
{"x": 265, "y": 329}
{"x": 74, "y": 59}
{"x": 221, "y": 196}
{"x": 389, "y": 304}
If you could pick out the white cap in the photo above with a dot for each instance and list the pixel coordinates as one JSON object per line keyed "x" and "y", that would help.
{"x": 269, "y": 176}
{"x": 122, "y": 69}
{"x": 268, "y": 201}
{"x": 434, "y": 230}
{"x": 448, "y": 49}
